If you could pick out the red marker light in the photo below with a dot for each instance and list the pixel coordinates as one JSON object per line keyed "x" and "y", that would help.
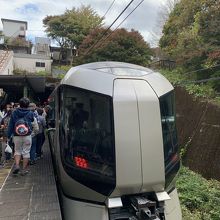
{"x": 81, "y": 162}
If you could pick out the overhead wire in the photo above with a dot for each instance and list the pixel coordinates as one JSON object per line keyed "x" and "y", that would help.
{"x": 103, "y": 34}
{"x": 103, "y": 17}
{"x": 198, "y": 81}
{"x": 207, "y": 68}
{"x": 108, "y": 9}
{"x": 201, "y": 80}
{"x": 122, "y": 21}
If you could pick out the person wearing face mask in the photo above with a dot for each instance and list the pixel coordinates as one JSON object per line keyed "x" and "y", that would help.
{"x": 4, "y": 129}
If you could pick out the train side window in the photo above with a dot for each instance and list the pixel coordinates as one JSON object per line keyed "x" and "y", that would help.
{"x": 87, "y": 137}
{"x": 168, "y": 121}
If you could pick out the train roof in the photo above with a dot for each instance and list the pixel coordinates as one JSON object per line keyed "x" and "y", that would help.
{"x": 118, "y": 68}
{"x": 100, "y": 76}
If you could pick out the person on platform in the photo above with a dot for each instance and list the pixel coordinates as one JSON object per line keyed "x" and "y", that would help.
{"x": 21, "y": 125}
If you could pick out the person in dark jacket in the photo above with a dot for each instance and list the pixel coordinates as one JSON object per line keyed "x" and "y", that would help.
{"x": 22, "y": 142}
{"x": 4, "y": 127}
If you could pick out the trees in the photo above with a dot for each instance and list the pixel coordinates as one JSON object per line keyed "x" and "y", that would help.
{"x": 70, "y": 28}
{"x": 163, "y": 15}
{"x": 191, "y": 34}
{"x": 82, "y": 27}
{"x": 122, "y": 45}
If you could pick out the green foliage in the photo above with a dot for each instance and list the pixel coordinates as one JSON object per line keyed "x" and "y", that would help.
{"x": 63, "y": 67}
{"x": 216, "y": 83}
{"x": 202, "y": 90}
{"x": 174, "y": 76}
{"x": 43, "y": 73}
{"x": 70, "y": 28}
{"x": 200, "y": 198}
{"x": 60, "y": 71}
{"x": 206, "y": 91}
{"x": 61, "y": 76}
{"x": 121, "y": 45}
{"x": 191, "y": 35}
{"x": 20, "y": 72}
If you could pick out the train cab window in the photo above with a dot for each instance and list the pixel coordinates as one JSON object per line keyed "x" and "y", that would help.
{"x": 168, "y": 120}
{"x": 87, "y": 137}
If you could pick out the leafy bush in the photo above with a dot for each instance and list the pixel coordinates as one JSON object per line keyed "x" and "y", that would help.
{"x": 42, "y": 73}
{"x": 202, "y": 90}
{"x": 61, "y": 76}
{"x": 64, "y": 68}
{"x": 200, "y": 198}
{"x": 20, "y": 72}
{"x": 174, "y": 76}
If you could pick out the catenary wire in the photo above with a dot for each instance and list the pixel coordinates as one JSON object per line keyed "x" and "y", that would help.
{"x": 108, "y": 9}
{"x": 103, "y": 34}
{"x": 121, "y": 23}
{"x": 207, "y": 68}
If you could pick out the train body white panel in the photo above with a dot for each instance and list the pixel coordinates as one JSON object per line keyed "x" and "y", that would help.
{"x": 128, "y": 154}
{"x": 159, "y": 83}
{"x": 150, "y": 138}
{"x": 87, "y": 79}
{"x": 172, "y": 207}
{"x": 76, "y": 210}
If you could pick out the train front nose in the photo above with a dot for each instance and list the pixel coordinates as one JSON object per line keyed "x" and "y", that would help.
{"x": 138, "y": 138}
{"x": 140, "y": 149}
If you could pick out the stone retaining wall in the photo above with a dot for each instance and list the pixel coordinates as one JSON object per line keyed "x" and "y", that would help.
{"x": 198, "y": 125}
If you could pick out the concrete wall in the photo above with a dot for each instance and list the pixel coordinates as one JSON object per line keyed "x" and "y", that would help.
{"x": 28, "y": 62}
{"x": 198, "y": 124}
{"x": 7, "y": 64}
{"x": 8, "y": 69}
{"x": 13, "y": 29}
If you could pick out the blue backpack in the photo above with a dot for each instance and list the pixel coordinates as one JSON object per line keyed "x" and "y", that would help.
{"x": 22, "y": 127}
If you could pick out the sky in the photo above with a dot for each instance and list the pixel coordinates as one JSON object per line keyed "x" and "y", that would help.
{"x": 144, "y": 18}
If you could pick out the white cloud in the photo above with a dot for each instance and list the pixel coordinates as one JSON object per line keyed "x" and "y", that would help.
{"x": 33, "y": 11}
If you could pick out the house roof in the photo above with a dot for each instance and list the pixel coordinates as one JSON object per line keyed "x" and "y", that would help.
{"x": 40, "y": 86}
{"x": 15, "y": 83}
{"x": 32, "y": 56}
{"x": 14, "y": 21}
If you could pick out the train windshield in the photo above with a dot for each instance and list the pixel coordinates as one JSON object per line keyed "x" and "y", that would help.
{"x": 168, "y": 119}
{"x": 87, "y": 138}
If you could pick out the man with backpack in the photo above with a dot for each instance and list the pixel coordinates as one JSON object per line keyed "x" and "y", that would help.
{"x": 21, "y": 124}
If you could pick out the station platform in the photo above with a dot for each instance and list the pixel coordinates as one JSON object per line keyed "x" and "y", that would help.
{"x": 33, "y": 196}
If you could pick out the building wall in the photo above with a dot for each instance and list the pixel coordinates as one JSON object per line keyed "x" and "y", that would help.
{"x": 13, "y": 29}
{"x": 7, "y": 64}
{"x": 29, "y": 64}
{"x": 8, "y": 70}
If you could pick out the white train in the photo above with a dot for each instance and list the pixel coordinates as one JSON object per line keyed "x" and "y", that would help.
{"x": 114, "y": 143}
